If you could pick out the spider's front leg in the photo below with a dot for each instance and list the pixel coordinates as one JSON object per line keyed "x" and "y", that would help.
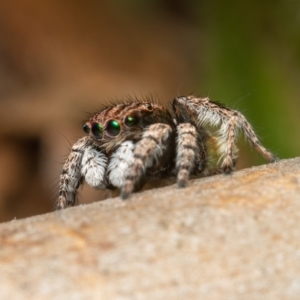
{"x": 84, "y": 162}
{"x": 147, "y": 151}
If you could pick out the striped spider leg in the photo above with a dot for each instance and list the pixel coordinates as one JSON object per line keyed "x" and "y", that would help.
{"x": 84, "y": 162}
{"x": 148, "y": 152}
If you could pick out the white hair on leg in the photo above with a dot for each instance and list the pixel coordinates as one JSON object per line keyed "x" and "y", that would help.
{"x": 120, "y": 161}
{"x": 93, "y": 166}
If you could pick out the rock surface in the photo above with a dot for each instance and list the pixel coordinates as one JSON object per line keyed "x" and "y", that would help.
{"x": 223, "y": 237}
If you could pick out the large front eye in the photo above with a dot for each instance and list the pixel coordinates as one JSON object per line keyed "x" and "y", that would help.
{"x": 130, "y": 121}
{"x": 113, "y": 128}
{"x": 97, "y": 130}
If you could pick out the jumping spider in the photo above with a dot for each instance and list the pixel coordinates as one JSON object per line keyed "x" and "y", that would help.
{"x": 131, "y": 142}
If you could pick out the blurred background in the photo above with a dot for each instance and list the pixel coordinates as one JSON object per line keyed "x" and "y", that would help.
{"x": 60, "y": 59}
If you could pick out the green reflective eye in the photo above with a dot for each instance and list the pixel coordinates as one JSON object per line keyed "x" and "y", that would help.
{"x": 86, "y": 128}
{"x": 130, "y": 121}
{"x": 97, "y": 130}
{"x": 113, "y": 127}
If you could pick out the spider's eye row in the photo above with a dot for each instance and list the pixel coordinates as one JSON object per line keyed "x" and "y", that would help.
{"x": 86, "y": 128}
{"x": 113, "y": 128}
{"x": 130, "y": 121}
{"x": 97, "y": 129}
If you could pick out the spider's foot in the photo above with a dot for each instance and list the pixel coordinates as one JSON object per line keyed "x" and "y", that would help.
{"x": 124, "y": 195}
{"x": 228, "y": 165}
{"x": 127, "y": 189}
{"x": 61, "y": 202}
{"x": 274, "y": 159}
{"x": 65, "y": 200}
{"x": 181, "y": 183}
{"x": 182, "y": 178}
{"x": 227, "y": 170}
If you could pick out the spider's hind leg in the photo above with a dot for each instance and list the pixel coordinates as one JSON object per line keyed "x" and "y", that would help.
{"x": 214, "y": 114}
{"x": 227, "y": 137}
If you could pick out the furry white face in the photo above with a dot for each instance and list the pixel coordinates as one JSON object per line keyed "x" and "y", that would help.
{"x": 130, "y": 143}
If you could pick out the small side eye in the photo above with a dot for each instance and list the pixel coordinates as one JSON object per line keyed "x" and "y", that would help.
{"x": 86, "y": 128}
{"x": 130, "y": 121}
{"x": 149, "y": 106}
{"x": 97, "y": 130}
{"x": 113, "y": 128}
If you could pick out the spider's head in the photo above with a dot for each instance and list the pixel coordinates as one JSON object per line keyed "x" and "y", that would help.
{"x": 121, "y": 122}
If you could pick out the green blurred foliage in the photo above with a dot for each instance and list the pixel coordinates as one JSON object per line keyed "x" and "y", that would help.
{"x": 252, "y": 60}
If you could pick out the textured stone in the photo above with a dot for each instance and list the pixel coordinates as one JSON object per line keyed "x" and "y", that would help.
{"x": 223, "y": 237}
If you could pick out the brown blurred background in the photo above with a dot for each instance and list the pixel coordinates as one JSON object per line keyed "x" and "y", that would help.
{"x": 60, "y": 59}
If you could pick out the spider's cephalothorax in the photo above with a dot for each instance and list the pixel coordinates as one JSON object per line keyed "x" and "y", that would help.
{"x": 129, "y": 143}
